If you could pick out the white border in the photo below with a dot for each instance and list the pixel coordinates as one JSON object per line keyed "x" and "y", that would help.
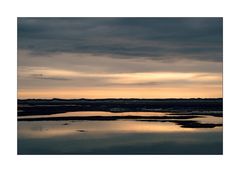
{"x": 10, "y": 10}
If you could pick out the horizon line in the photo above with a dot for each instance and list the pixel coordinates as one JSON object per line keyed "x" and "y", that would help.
{"x": 54, "y": 98}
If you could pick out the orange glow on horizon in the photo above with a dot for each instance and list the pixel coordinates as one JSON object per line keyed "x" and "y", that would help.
{"x": 191, "y": 92}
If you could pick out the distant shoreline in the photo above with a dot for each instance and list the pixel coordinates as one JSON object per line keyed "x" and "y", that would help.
{"x": 54, "y": 106}
{"x": 92, "y": 99}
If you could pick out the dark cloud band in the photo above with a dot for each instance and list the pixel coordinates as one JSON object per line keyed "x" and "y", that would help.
{"x": 153, "y": 38}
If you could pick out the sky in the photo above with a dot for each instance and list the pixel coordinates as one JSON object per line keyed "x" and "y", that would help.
{"x": 120, "y": 57}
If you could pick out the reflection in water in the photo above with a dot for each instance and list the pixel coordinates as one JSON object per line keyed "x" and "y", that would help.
{"x": 117, "y": 137}
{"x": 47, "y": 129}
{"x": 98, "y": 113}
{"x": 210, "y": 119}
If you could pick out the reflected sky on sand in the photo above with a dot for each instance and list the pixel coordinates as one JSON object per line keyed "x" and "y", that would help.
{"x": 117, "y": 137}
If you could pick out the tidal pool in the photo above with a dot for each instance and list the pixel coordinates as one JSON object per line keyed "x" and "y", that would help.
{"x": 118, "y": 136}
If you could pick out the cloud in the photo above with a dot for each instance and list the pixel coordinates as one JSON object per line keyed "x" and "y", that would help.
{"x": 91, "y": 57}
{"x": 69, "y": 64}
{"x": 31, "y": 78}
{"x": 41, "y": 76}
{"x": 127, "y": 38}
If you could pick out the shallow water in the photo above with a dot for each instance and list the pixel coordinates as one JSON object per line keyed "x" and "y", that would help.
{"x": 98, "y": 113}
{"x": 117, "y": 137}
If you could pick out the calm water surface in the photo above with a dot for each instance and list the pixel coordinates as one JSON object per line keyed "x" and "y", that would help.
{"x": 117, "y": 137}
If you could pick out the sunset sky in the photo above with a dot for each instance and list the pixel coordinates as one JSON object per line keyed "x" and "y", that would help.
{"x": 120, "y": 57}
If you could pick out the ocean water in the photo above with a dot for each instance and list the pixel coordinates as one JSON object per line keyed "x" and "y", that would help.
{"x": 124, "y": 136}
